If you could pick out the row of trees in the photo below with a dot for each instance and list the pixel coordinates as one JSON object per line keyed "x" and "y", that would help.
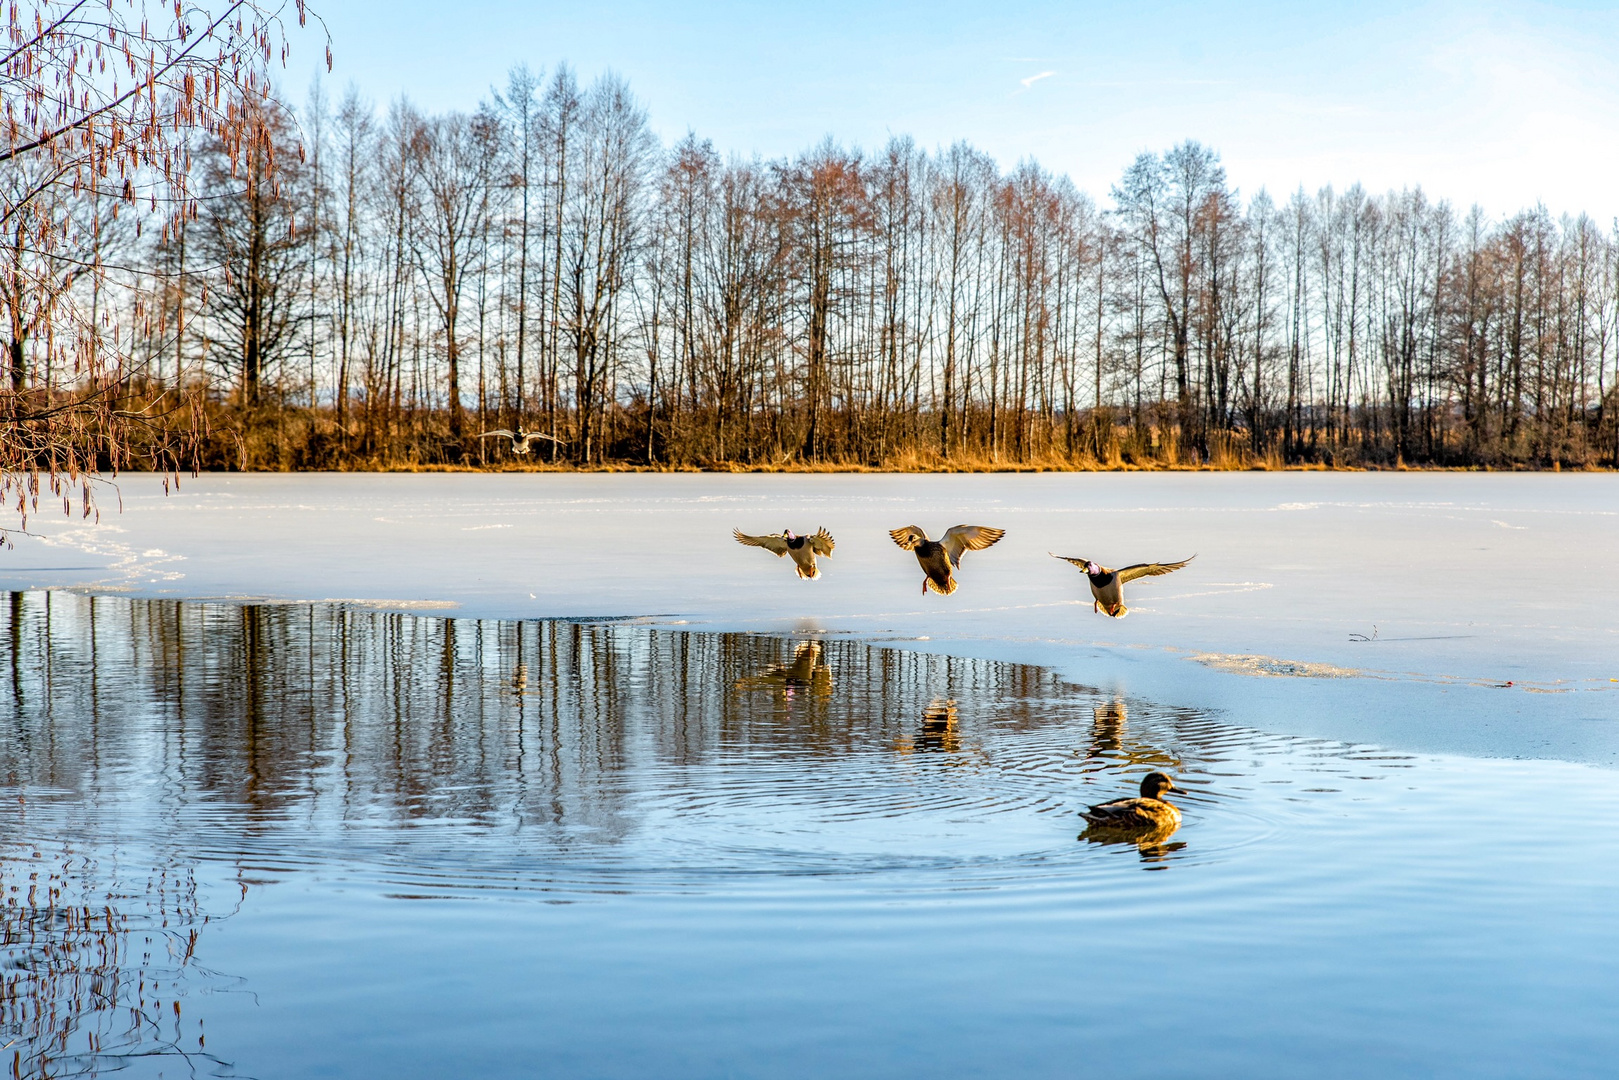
{"x": 360, "y": 288}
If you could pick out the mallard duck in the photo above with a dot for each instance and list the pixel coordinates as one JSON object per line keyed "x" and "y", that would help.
{"x": 940, "y": 557}
{"x": 1107, "y": 586}
{"x": 803, "y": 549}
{"x": 522, "y": 441}
{"x": 1147, "y": 813}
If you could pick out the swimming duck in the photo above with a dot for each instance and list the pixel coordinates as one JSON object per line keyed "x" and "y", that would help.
{"x": 1107, "y": 586}
{"x": 1149, "y": 812}
{"x": 803, "y": 549}
{"x": 939, "y": 557}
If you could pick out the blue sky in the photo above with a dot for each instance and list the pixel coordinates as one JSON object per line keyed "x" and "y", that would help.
{"x": 1502, "y": 104}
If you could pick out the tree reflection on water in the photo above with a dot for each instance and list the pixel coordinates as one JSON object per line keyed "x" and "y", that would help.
{"x": 96, "y": 966}
{"x": 238, "y": 742}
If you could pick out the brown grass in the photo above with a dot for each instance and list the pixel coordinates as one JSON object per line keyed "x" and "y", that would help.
{"x": 283, "y": 439}
{"x": 1269, "y": 463}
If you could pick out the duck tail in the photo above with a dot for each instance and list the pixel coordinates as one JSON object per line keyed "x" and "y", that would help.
{"x": 809, "y": 575}
{"x": 946, "y": 589}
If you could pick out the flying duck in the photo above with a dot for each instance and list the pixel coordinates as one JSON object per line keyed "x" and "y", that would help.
{"x": 1149, "y": 812}
{"x": 940, "y": 557}
{"x": 1107, "y": 586}
{"x": 522, "y": 441}
{"x": 803, "y": 549}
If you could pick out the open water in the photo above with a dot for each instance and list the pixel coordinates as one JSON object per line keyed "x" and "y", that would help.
{"x": 315, "y": 840}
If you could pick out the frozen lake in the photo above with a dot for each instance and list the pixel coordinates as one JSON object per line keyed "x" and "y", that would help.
{"x": 1390, "y": 608}
{"x": 429, "y": 775}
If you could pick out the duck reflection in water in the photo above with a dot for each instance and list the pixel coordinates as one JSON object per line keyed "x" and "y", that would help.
{"x": 1110, "y": 742}
{"x": 1146, "y": 821}
{"x": 939, "y": 728}
{"x": 1107, "y": 729}
{"x": 937, "y": 733}
{"x": 808, "y": 674}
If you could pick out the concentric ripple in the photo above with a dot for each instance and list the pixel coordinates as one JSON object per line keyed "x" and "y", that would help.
{"x": 431, "y": 847}
{"x": 452, "y": 757}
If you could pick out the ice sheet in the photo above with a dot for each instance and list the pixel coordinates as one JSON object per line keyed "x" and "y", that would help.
{"x": 1384, "y": 607}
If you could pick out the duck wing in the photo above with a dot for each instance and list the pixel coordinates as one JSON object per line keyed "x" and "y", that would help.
{"x": 1150, "y": 569}
{"x": 822, "y": 543}
{"x": 908, "y": 537}
{"x": 500, "y": 433}
{"x": 1081, "y": 563}
{"x": 775, "y": 544}
{"x": 1120, "y": 814}
{"x": 968, "y": 538}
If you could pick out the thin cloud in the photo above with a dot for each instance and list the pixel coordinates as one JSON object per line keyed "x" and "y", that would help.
{"x": 1032, "y": 79}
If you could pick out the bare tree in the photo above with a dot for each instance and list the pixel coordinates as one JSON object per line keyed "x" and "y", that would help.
{"x": 600, "y": 232}
{"x": 452, "y": 234}
{"x": 250, "y": 230}
{"x": 101, "y": 101}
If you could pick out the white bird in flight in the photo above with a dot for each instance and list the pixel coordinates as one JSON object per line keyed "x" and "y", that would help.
{"x": 522, "y": 441}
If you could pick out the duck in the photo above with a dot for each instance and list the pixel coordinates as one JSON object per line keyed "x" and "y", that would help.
{"x": 803, "y": 549}
{"x": 1149, "y": 812}
{"x": 1107, "y": 586}
{"x": 522, "y": 441}
{"x": 939, "y": 558}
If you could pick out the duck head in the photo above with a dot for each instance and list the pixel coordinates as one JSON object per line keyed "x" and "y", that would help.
{"x": 1154, "y": 784}
{"x": 1093, "y": 568}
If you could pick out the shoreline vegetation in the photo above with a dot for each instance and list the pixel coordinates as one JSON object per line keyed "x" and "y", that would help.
{"x": 221, "y": 437}
{"x": 292, "y": 438}
{"x": 937, "y": 469}
{"x": 338, "y": 287}
{"x": 297, "y": 440}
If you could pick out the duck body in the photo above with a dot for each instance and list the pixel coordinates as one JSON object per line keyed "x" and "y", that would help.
{"x": 1133, "y": 814}
{"x": 1107, "y": 586}
{"x": 939, "y": 558}
{"x": 803, "y": 549}
{"x": 1108, "y": 593}
{"x": 936, "y": 565}
{"x": 1146, "y": 813}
